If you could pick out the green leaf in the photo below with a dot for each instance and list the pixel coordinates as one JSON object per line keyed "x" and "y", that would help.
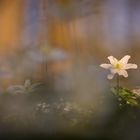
{"x": 132, "y": 102}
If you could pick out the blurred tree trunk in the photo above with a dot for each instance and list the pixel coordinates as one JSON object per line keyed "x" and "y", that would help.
{"x": 10, "y": 23}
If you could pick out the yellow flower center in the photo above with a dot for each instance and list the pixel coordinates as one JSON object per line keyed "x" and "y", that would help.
{"x": 118, "y": 66}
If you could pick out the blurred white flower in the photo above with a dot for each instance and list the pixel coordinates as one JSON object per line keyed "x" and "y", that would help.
{"x": 57, "y": 55}
{"x": 45, "y": 50}
{"x": 68, "y": 107}
{"x": 22, "y": 89}
{"x": 136, "y": 91}
{"x": 118, "y": 66}
{"x": 47, "y": 54}
{"x": 43, "y": 107}
{"x": 27, "y": 84}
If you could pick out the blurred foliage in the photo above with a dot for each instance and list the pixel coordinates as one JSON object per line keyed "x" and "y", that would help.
{"x": 30, "y": 107}
{"x": 126, "y": 96}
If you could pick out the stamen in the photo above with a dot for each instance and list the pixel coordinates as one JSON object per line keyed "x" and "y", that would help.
{"x": 118, "y": 66}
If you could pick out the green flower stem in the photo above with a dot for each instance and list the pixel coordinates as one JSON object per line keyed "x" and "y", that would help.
{"x": 118, "y": 84}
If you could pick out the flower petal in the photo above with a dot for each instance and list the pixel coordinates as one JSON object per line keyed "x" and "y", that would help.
{"x": 125, "y": 59}
{"x": 113, "y": 71}
{"x": 106, "y": 66}
{"x": 112, "y": 60}
{"x": 131, "y": 66}
{"x": 110, "y": 76}
{"x": 123, "y": 73}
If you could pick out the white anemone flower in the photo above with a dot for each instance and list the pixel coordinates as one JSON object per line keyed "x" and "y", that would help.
{"x": 118, "y": 66}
